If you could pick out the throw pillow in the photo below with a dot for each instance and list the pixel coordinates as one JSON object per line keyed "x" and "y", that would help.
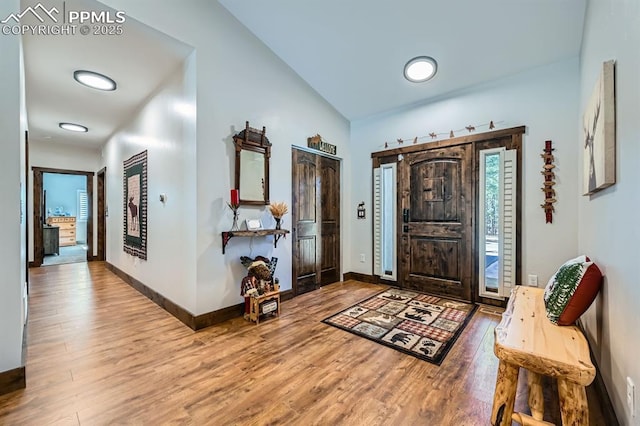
{"x": 571, "y": 290}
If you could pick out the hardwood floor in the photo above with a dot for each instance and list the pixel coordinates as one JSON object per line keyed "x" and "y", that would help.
{"x": 101, "y": 353}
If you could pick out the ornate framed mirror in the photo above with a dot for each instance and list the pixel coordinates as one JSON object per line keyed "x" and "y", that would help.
{"x": 253, "y": 151}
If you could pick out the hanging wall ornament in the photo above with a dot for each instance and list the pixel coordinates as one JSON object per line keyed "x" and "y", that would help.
{"x": 435, "y": 135}
{"x": 549, "y": 181}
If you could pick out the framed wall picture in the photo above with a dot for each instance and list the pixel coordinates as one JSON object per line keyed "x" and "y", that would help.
{"x": 599, "y": 134}
{"x": 135, "y": 205}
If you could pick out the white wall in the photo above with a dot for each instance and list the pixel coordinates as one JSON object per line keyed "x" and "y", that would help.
{"x": 239, "y": 79}
{"x": 159, "y": 128}
{"x": 12, "y": 193}
{"x": 545, "y": 100}
{"x": 609, "y": 230}
{"x": 43, "y": 153}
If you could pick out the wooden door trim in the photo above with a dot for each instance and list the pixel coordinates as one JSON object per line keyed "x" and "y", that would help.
{"x": 511, "y": 138}
{"x": 38, "y": 244}
{"x": 512, "y": 142}
{"x": 476, "y": 137}
{"x": 101, "y": 218}
{"x": 38, "y": 240}
{"x": 26, "y": 203}
{"x": 325, "y": 272}
{"x": 313, "y": 151}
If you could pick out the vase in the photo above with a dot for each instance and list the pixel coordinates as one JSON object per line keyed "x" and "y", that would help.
{"x": 235, "y": 227}
{"x": 278, "y": 219}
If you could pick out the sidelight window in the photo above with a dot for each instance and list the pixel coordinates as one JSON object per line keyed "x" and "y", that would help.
{"x": 384, "y": 220}
{"x": 497, "y": 222}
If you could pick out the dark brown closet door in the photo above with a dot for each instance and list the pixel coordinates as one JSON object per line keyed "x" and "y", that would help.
{"x": 330, "y": 214}
{"x": 316, "y": 220}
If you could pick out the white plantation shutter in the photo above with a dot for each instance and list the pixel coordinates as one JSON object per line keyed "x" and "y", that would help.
{"x": 377, "y": 222}
{"x": 384, "y": 221}
{"x": 508, "y": 194}
{"x": 83, "y": 206}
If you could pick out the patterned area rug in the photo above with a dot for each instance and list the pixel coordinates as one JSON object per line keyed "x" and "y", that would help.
{"x": 417, "y": 324}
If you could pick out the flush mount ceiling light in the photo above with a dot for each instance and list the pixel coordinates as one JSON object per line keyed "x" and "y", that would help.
{"x": 73, "y": 127}
{"x": 95, "y": 80}
{"x": 420, "y": 69}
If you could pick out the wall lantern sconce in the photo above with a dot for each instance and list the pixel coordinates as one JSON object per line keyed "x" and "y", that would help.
{"x": 361, "y": 210}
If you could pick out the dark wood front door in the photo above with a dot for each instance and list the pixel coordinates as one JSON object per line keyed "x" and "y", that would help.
{"x": 316, "y": 220}
{"x": 436, "y": 230}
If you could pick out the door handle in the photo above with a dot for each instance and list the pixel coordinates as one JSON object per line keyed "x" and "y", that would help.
{"x": 405, "y": 215}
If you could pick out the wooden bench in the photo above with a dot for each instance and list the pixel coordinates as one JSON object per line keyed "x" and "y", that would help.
{"x": 525, "y": 338}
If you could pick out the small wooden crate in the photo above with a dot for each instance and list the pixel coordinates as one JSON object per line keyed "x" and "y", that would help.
{"x": 266, "y": 305}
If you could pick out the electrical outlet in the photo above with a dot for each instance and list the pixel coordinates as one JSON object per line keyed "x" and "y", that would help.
{"x": 532, "y": 280}
{"x": 631, "y": 396}
{"x": 362, "y": 257}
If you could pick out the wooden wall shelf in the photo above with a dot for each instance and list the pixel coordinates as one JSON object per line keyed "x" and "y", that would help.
{"x": 277, "y": 234}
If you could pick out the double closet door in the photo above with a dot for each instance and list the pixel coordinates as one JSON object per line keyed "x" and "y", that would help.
{"x": 316, "y": 220}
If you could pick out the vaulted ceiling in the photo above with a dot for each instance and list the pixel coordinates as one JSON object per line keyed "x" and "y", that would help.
{"x": 352, "y": 52}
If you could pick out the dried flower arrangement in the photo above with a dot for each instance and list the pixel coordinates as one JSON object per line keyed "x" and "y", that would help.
{"x": 278, "y": 209}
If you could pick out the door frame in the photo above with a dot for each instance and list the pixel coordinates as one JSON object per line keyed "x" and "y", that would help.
{"x": 26, "y": 203}
{"x": 38, "y": 214}
{"x": 101, "y": 188}
{"x": 510, "y": 138}
{"x": 294, "y": 252}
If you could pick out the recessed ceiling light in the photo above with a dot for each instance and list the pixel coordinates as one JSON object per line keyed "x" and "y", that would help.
{"x": 94, "y": 80}
{"x": 73, "y": 127}
{"x": 420, "y": 69}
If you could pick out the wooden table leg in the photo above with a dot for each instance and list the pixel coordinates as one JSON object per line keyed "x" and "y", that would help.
{"x": 536, "y": 399}
{"x": 573, "y": 403}
{"x": 525, "y": 420}
{"x": 505, "y": 395}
